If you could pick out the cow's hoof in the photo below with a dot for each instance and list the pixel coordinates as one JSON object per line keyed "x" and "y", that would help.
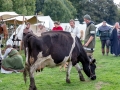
{"x": 82, "y": 78}
{"x": 32, "y": 88}
{"x": 68, "y": 80}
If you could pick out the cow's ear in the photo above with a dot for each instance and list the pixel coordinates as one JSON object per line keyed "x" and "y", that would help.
{"x": 94, "y": 60}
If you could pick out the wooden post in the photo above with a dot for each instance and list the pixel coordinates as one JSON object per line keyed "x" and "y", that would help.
{"x": 21, "y": 42}
{"x": 37, "y": 23}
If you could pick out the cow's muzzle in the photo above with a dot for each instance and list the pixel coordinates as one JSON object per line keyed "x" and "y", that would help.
{"x": 93, "y": 77}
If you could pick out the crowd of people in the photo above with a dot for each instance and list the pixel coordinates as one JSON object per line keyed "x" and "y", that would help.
{"x": 12, "y": 61}
{"x": 110, "y": 39}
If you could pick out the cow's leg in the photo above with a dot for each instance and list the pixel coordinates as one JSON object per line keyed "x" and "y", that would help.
{"x": 32, "y": 81}
{"x": 68, "y": 72}
{"x": 31, "y": 74}
{"x": 77, "y": 66}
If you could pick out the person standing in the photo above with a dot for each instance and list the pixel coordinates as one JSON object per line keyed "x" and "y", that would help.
{"x": 57, "y": 26}
{"x": 27, "y": 28}
{"x": 25, "y": 31}
{"x": 115, "y": 40}
{"x": 74, "y": 29}
{"x": 41, "y": 29}
{"x": 89, "y": 41}
{"x": 104, "y": 33}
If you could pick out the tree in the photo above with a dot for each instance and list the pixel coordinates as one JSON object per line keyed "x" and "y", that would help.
{"x": 112, "y": 12}
{"x": 30, "y": 7}
{"x": 6, "y": 5}
{"x": 19, "y": 7}
{"x": 39, "y": 5}
{"x": 75, "y": 3}
{"x": 118, "y": 15}
{"x": 70, "y": 8}
{"x": 58, "y": 10}
{"x": 99, "y": 10}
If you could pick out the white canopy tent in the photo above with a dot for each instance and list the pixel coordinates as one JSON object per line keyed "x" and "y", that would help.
{"x": 45, "y": 20}
{"x": 48, "y": 22}
{"x": 7, "y": 15}
{"x": 19, "y": 35}
{"x": 65, "y": 26}
{"x": 19, "y": 19}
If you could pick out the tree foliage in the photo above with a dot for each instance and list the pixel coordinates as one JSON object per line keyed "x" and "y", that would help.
{"x": 60, "y": 10}
{"x": 19, "y": 7}
{"x": 6, "y": 5}
{"x": 30, "y": 7}
{"x": 39, "y": 5}
{"x": 99, "y": 10}
{"x": 70, "y": 8}
{"x": 118, "y": 15}
{"x": 64, "y": 10}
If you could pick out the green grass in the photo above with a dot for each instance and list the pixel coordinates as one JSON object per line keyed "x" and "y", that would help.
{"x": 108, "y": 77}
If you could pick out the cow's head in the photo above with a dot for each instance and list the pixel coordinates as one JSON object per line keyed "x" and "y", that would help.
{"x": 90, "y": 69}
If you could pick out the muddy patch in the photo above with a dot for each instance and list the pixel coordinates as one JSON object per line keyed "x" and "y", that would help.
{"x": 99, "y": 85}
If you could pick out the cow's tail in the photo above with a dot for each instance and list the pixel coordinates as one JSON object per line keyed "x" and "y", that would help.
{"x": 26, "y": 71}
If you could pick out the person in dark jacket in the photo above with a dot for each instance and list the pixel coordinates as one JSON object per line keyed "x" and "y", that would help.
{"x": 104, "y": 33}
{"x": 115, "y": 40}
{"x": 90, "y": 32}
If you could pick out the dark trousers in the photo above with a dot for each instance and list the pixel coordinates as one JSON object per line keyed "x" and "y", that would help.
{"x": 105, "y": 43}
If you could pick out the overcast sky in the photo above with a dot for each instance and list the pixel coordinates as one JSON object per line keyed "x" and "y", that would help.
{"x": 117, "y": 1}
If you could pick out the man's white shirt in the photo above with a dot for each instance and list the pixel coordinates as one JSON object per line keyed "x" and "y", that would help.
{"x": 74, "y": 30}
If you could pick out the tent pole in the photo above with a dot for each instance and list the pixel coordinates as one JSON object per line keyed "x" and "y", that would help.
{"x": 37, "y": 23}
{"x": 21, "y": 42}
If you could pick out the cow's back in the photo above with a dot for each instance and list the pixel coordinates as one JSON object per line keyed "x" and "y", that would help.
{"x": 57, "y": 44}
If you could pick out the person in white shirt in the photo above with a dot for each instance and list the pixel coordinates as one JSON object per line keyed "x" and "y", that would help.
{"x": 41, "y": 29}
{"x": 74, "y": 29}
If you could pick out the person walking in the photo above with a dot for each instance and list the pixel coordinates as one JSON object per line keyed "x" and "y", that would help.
{"x": 104, "y": 33}
{"x": 89, "y": 41}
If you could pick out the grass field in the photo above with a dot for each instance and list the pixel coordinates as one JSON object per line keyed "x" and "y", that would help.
{"x": 107, "y": 71}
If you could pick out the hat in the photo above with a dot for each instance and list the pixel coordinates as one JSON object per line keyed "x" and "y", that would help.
{"x": 87, "y": 17}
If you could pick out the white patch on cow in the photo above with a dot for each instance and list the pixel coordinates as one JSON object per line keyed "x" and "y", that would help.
{"x": 73, "y": 45}
{"x": 69, "y": 69}
{"x": 90, "y": 59}
{"x": 64, "y": 60}
{"x": 77, "y": 66}
{"x": 42, "y": 62}
{"x": 26, "y": 54}
{"x": 40, "y": 55}
{"x": 70, "y": 54}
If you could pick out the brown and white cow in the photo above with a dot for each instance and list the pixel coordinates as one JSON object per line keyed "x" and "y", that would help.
{"x": 54, "y": 49}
